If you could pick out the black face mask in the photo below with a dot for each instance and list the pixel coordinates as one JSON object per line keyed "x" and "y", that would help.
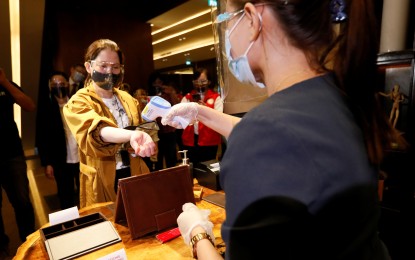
{"x": 59, "y": 92}
{"x": 105, "y": 80}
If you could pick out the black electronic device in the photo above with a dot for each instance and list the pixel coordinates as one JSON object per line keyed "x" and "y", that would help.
{"x": 207, "y": 174}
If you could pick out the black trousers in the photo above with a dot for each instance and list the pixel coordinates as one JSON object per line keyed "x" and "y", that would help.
{"x": 13, "y": 179}
{"x": 167, "y": 150}
{"x": 67, "y": 181}
{"x": 198, "y": 154}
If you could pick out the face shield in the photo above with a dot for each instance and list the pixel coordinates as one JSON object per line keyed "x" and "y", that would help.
{"x": 58, "y": 88}
{"x": 237, "y": 97}
{"x": 107, "y": 75}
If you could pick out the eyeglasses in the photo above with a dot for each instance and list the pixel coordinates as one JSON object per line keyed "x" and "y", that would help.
{"x": 108, "y": 66}
{"x": 201, "y": 82}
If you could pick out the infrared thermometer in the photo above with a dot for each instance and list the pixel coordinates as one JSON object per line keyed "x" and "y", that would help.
{"x": 158, "y": 107}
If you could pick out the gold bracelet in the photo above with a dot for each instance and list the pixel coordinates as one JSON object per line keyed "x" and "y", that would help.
{"x": 196, "y": 238}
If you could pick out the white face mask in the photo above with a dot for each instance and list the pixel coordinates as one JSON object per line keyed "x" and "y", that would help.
{"x": 239, "y": 67}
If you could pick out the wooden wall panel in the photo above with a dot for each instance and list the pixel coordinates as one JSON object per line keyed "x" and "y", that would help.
{"x": 67, "y": 36}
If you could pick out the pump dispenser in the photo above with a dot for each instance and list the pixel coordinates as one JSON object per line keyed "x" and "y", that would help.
{"x": 186, "y": 161}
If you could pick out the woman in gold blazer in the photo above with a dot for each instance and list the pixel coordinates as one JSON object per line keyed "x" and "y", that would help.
{"x": 97, "y": 116}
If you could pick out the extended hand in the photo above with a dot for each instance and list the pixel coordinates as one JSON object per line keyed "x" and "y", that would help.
{"x": 187, "y": 111}
{"x": 143, "y": 144}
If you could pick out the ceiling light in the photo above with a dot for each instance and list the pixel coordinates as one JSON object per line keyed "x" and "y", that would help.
{"x": 182, "y": 21}
{"x": 157, "y": 56}
{"x": 182, "y": 32}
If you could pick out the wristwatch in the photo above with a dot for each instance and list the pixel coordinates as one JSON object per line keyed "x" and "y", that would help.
{"x": 196, "y": 238}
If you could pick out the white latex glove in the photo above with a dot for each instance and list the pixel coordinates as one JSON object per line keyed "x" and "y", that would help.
{"x": 191, "y": 217}
{"x": 143, "y": 144}
{"x": 187, "y": 111}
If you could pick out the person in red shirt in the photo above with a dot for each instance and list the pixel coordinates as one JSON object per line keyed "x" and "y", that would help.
{"x": 201, "y": 141}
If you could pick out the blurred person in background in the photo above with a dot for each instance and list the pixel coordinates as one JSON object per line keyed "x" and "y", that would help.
{"x": 58, "y": 150}
{"x": 13, "y": 167}
{"x": 167, "y": 145}
{"x": 201, "y": 141}
{"x": 76, "y": 78}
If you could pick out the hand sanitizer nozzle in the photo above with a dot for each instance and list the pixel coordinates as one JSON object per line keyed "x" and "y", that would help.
{"x": 185, "y": 160}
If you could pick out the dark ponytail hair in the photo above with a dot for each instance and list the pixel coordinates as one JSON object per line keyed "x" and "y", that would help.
{"x": 349, "y": 49}
{"x": 356, "y": 72}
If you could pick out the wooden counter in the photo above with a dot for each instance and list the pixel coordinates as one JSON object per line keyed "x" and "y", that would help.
{"x": 147, "y": 247}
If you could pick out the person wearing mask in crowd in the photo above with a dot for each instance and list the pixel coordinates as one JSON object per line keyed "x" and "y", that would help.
{"x": 13, "y": 167}
{"x": 301, "y": 169}
{"x": 58, "y": 150}
{"x": 167, "y": 146}
{"x": 97, "y": 116}
{"x": 141, "y": 95}
{"x": 201, "y": 141}
{"x": 77, "y": 78}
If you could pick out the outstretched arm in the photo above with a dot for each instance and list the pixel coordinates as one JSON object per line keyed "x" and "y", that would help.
{"x": 218, "y": 121}
{"x": 24, "y": 101}
{"x": 191, "y": 111}
{"x": 384, "y": 94}
{"x": 140, "y": 141}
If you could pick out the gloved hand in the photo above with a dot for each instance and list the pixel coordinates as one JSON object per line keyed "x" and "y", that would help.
{"x": 187, "y": 110}
{"x": 191, "y": 217}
